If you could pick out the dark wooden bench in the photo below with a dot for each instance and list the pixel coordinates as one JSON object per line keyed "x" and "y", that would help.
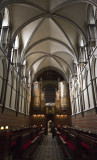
{"x": 82, "y": 144}
{"x": 62, "y": 141}
{"x": 16, "y": 142}
{"x": 88, "y": 146}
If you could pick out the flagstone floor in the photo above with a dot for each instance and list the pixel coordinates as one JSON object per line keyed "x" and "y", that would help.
{"x": 48, "y": 150}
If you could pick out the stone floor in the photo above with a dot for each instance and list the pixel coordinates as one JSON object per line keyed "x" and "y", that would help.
{"x": 48, "y": 150}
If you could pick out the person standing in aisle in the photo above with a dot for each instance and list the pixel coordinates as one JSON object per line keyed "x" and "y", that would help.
{"x": 53, "y": 131}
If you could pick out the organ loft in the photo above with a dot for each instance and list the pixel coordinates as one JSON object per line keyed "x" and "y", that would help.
{"x": 48, "y": 79}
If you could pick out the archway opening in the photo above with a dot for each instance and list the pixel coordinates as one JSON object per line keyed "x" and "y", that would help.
{"x": 50, "y": 125}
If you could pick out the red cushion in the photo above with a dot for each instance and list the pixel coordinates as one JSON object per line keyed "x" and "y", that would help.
{"x": 70, "y": 145}
{"x": 85, "y": 145}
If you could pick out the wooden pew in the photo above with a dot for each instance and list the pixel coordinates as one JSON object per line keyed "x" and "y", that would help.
{"x": 82, "y": 144}
{"x": 25, "y": 140}
{"x": 62, "y": 141}
{"x": 4, "y": 145}
{"x": 88, "y": 146}
{"x": 16, "y": 142}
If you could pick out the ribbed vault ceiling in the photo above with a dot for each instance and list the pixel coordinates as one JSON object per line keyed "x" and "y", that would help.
{"x": 48, "y": 31}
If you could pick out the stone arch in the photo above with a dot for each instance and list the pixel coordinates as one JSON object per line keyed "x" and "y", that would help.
{"x": 46, "y": 68}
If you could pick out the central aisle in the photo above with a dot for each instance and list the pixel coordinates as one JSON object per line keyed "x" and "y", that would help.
{"x": 48, "y": 150}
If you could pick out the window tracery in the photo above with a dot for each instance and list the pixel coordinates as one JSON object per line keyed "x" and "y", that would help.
{"x": 5, "y": 30}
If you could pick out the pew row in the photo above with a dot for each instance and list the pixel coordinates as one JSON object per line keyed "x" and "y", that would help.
{"x": 15, "y": 144}
{"x": 80, "y": 145}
